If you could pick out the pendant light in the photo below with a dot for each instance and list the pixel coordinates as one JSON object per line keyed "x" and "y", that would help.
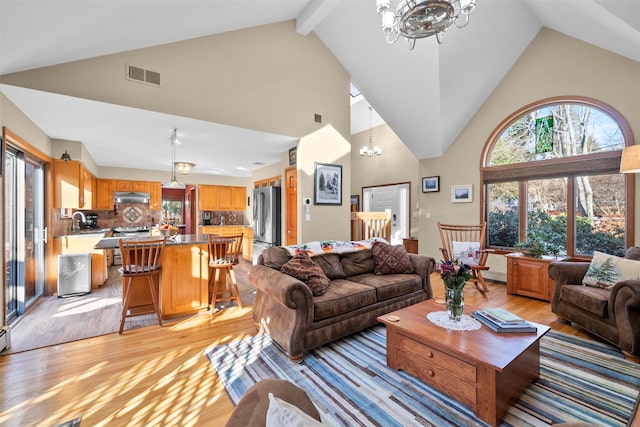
{"x": 174, "y": 183}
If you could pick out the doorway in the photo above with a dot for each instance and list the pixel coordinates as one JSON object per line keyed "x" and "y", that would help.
{"x": 25, "y": 231}
{"x": 395, "y": 197}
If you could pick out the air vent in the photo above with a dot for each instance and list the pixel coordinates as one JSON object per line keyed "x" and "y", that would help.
{"x": 317, "y": 118}
{"x": 143, "y": 76}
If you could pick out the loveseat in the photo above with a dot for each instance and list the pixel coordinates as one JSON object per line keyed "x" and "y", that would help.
{"x": 610, "y": 313}
{"x": 287, "y": 310}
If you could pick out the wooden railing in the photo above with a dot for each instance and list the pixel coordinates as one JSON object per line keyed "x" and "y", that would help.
{"x": 365, "y": 225}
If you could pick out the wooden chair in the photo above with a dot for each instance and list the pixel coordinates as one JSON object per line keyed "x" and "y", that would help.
{"x": 365, "y": 225}
{"x": 224, "y": 252}
{"x": 141, "y": 259}
{"x": 466, "y": 243}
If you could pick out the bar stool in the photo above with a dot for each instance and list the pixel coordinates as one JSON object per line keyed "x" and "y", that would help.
{"x": 223, "y": 255}
{"x": 141, "y": 259}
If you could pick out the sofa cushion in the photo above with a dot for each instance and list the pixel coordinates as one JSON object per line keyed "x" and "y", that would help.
{"x": 275, "y": 257}
{"x": 390, "y": 285}
{"x": 359, "y": 262}
{"x": 304, "y": 269}
{"x": 606, "y": 270}
{"x": 331, "y": 266}
{"x": 390, "y": 259}
{"x": 589, "y": 298}
{"x": 342, "y": 296}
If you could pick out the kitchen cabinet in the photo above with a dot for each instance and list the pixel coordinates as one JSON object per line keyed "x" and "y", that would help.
{"x": 247, "y": 243}
{"x": 72, "y": 185}
{"x": 274, "y": 181}
{"x": 105, "y": 189}
{"x": 222, "y": 198}
{"x": 185, "y": 278}
{"x": 75, "y": 244}
{"x": 528, "y": 276}
{"x": 138, "y": 186}
{"x": 223, "y": 230}
{"x": 155, "y": 190}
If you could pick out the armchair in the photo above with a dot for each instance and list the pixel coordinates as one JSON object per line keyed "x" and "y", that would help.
{"x": 612, "y": 314}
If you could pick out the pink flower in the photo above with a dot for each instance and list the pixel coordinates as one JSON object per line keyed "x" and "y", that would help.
{"x": 456, "y": 267}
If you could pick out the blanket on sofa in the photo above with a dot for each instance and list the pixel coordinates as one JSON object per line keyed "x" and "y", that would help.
{"x": 333, "y": 246}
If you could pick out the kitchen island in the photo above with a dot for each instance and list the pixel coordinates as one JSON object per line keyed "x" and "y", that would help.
{"x": 184, "y": 279}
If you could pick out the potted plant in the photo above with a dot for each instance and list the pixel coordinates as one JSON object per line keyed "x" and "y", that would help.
{"x": 536, "y": 245}
{"x": 454, "y": 274}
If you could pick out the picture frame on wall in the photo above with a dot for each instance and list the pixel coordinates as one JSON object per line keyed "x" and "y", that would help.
{"x": 431, "y": 184}
{"x": 293, "y": 156}
{"x": 461, "y": 193}
{"x": 327, "y": 184}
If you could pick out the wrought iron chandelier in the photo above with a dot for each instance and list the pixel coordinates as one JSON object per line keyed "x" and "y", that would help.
{"x": 415, "y": 19}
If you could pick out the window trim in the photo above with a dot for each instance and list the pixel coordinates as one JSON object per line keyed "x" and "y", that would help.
{"x": 594, "y": 163}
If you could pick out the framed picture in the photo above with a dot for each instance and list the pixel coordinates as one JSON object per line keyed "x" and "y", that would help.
{"x": 431, "y": 184}
{"x": 293, "y": 156}
{"x": 461, "y": 193}
{"x": 327, "y": 184}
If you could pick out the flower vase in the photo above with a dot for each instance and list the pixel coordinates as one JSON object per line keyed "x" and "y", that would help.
{"x": 455, "y": 303}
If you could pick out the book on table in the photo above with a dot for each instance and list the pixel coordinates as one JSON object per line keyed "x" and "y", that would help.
{"x": 503, "y": 316}
{"x": 500, "y": 327}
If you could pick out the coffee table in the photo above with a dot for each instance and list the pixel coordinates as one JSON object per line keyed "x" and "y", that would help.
{"x": 482, "y": 369}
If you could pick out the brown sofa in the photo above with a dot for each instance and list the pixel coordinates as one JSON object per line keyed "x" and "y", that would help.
{"x": 612, "y": 314}
{"x": 287, "y": 311}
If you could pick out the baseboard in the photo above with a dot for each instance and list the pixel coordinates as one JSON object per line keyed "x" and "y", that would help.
{"x": 495, "y": 276}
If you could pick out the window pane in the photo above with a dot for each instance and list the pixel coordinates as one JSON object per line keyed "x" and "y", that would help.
{"x": 547, "y": 213}
{"x": 556, "y": 131}
{"x": 600, "y": 214}
{"x": 503, "y": 221}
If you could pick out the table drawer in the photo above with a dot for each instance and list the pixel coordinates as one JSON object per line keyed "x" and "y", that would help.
{"x": 436, "y": 358}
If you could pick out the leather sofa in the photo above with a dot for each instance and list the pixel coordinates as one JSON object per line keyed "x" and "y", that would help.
{"x": 287, "y": 311}
{"x": 612, "y": 314}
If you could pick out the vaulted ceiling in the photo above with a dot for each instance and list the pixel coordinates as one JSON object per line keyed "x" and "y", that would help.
{"x": 426, "y": 96}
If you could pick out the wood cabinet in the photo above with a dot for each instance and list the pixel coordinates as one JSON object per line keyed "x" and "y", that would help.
{"x": 72, "y": 185}
{"x": 223, "y": 230}
{"x": 528, "y": 276}
{"x": 82, "y": 244}
{"x": 222, "y": 198}
{"x": 247, "y": 243}
{"x": 105, "y": 189}
{"x": 155, "y": 190}
{"x": 185, "y": 278}
{"x": 274, "y": 181}
{"x": 411, "y": 245}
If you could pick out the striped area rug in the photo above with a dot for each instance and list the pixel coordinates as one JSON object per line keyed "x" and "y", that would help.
{"x": 351, "y": 385}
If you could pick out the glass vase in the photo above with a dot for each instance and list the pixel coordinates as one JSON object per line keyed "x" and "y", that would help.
{"x": 455, "y": 303}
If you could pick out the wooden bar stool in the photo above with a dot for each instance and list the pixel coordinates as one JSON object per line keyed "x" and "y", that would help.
{"x": 141, "y": 259}
{"x": 223, "y": 255}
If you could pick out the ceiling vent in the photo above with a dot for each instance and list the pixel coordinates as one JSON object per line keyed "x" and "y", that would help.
{"x": 141, "y": 75}
{"x": 317, "y": 118}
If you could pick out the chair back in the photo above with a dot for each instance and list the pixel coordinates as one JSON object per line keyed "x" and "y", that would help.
{"x": 365, "y": 225}
{"x": 462, "y": 241}
{"x": 224, "y": 250}
{"x": 141, "y": 256}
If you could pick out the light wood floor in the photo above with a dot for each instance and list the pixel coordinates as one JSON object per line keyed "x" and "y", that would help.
{"x": 156, "y": 376}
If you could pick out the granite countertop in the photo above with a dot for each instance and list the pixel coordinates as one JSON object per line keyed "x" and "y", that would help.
{"x": 179, "y": 239}
{"x": 88, "y": 232}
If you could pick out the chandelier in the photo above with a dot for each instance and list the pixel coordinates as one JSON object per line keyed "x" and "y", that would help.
{"x": 374, "y": 149}
{"x": 174, "y": 183}
{"x": 415, "y": 19}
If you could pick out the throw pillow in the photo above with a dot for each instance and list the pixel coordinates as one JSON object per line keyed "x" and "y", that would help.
{"x": 466, "y": 252}
{"x": 390, "y": 259}
{"x": 606, "y": 270}
{"x": 283, "y": 414}
{"x": 304, "y": 269}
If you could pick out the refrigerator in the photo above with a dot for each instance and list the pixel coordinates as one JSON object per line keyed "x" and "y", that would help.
{"x": 266, "y": 219}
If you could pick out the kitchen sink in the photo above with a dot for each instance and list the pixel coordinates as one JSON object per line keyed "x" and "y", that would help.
{"x": 92, "y": 231}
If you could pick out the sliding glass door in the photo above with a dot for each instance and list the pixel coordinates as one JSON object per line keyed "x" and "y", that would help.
{"x": 25, "y": 232}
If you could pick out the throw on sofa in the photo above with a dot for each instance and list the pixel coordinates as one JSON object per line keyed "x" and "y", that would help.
{"x": 287, "y": 310}
{"x": 608, "y": 310}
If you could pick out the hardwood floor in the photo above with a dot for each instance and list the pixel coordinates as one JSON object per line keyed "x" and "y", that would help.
{"x": 156, "y": 376}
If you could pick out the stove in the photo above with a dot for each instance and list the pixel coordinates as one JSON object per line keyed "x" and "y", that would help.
{"x": 138, "y": 229}
{"x": 126, "y": 232}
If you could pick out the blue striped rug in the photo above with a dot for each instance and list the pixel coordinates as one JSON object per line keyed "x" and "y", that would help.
{"x": 351, "y": 385}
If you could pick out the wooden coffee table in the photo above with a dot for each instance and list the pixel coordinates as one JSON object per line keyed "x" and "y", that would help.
{"x": 482, "y": 369}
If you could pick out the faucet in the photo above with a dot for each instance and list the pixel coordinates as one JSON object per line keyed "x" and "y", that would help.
{"x": 221, "y": 219}
{"x": 75, "y": 227}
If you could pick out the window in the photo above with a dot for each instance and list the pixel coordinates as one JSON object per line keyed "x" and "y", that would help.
{"x": 551, "y": 169}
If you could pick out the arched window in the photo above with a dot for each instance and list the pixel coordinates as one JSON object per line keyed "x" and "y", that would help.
{"x": 550, "y": 172}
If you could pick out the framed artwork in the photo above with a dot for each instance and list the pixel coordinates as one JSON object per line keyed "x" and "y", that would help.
{"x": 327, "y": 184}
{"x": 431, "y": 184}
{"x": 293, "y": 156}
{"x": 355, "y": 202}
{"x": 461, "y": 193}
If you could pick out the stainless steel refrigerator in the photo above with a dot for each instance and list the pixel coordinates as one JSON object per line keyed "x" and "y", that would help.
{"x": 266, "y": 219}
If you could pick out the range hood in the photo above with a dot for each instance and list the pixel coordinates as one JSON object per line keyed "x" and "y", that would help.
{"x": 131, "y": 197}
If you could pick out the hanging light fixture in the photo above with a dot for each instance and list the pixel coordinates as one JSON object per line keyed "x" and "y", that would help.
{"x": 65, "y": 156}
{"x": 416, "y": 19}
{"x": 174, "y": 183}
{"x": 374, "y": 149}
{"x": 184, "y": 167}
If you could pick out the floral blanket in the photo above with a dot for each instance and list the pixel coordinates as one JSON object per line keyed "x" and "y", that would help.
{"x": 333, "y": 246}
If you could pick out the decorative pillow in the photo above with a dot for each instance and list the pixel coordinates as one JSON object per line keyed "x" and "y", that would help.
{"x": 607, "y": 270}
{"x": 304, "y": 269}
{"x": 275, "y": 257}
{"x": 389, "y": 259}
{"x": 282, "y": 413}
{"x": 466, "y": 252}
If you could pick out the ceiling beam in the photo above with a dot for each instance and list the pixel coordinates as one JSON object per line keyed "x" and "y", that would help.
{"x": 313, "y": 14}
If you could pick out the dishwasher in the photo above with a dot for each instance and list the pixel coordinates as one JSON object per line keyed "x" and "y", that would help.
{"x": 74, "y": 274}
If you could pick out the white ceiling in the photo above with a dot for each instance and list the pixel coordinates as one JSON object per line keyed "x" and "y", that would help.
{"x": 426, "y": 96}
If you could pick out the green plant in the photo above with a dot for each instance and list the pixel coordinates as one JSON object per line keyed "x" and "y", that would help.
{"x": 536, "y": 245}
